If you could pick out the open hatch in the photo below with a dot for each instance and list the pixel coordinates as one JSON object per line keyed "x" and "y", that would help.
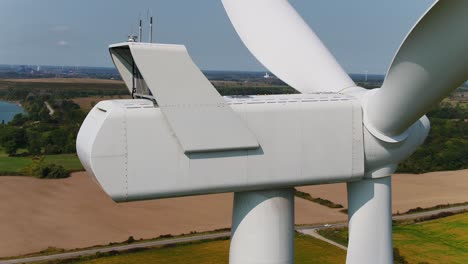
{"x": 198, "y": 115}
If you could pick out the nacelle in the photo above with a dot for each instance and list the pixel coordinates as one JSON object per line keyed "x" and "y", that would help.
{"x": 131, "y": 150}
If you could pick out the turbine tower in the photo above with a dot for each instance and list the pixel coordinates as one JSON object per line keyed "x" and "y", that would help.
{"x": 179, "y": 137}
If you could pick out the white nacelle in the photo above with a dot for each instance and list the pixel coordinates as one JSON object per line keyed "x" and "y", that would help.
{"x": 130, "y": 149}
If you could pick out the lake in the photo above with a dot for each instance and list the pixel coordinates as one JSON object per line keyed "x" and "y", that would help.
{"x": 8, "y": 111}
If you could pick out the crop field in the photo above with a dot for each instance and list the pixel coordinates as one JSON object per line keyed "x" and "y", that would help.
{"x": 444, "y": 240}
{"x": 87, "y": 103}
{"x": 63, "y": 88}
{"x": 62, "y": 84}
{"x": 307, "y": 250}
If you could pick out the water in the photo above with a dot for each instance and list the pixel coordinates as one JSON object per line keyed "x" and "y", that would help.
{"x": 8, "y": 111}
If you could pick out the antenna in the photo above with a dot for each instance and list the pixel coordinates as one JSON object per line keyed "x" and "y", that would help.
{"x": 140, "y": 30}
{"x": 151, "y": 30}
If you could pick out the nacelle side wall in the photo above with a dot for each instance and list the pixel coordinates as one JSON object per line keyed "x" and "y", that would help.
{"x": 128, "y": 146}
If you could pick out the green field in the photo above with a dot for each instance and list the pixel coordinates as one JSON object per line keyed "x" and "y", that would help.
{"x": 69, "y": 161}
{"x": 12, "y": 165}
{"x": 15, "y": 165}
{"x": 444, "y": 240}
{"x": 308, "y": 250}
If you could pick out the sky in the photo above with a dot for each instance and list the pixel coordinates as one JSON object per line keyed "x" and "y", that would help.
{"x": 362, "y": 34}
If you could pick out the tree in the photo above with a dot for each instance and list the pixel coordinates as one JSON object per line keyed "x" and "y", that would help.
{"x": 12, "y": 139}
{"x": 34, "y": 142}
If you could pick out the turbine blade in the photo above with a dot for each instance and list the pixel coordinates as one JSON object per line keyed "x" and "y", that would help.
{"x": 282, "y": 41}
{"x": 431, "y": 62}
{"x": 370, "y": 208}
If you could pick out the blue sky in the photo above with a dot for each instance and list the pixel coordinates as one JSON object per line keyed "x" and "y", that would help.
{"x": 362, "y": 34}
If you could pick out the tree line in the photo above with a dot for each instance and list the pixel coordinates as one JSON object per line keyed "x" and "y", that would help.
{"x": 446, "y": 147}
{"x": 38, "y": 132}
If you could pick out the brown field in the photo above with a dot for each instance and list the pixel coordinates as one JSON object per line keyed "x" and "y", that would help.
{"x": 64, "y": 80}
{"x": 409, "y": 190}
{"x": 85, "y": 103}
{"x": 72, "y": 84}
{"x": 75, "y": 213}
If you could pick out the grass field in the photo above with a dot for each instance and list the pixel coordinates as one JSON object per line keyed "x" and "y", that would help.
{"x": 444, "y": 240}
{"x": 68, "y": 161}
{"x": 308, "y": 250}
{"x": 11, "y": 166}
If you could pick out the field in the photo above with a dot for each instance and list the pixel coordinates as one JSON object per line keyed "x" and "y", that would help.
{"x": 65, "y": 80}
{"x": 59, "y": 83}
{"x": 15, "y": 165}
{"x": 439, "y": 241}
{"x": 63, "y": 88}
{"x": 75, "y": 213}
{"x": 444, "y": 240}
{"x": 409, "y": 190}
{"x": 307, "y": 250}
{"x": 86, "y": 103}
{"x": 12, "y": 165}
{"x": 69, "y": 161}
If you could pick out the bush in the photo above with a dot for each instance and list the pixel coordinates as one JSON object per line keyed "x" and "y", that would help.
{"x": 130, "y": 240}
{"x": 35, "y": 167}
{"x": 52, "y": 171}
{"x": 318, "y": 200}
{"x": 45, "y": 171}
{"x": 433, "y": 217}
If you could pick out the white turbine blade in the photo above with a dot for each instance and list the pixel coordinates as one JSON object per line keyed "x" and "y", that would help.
{"x": 431, "y": 62}
{"x": 282, "y": 41}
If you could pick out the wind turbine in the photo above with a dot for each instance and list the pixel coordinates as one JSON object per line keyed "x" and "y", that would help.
{"x": 184, "y": 139}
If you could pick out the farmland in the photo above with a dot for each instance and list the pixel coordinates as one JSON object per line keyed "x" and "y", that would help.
{"x": 444, "y": 240}
{"x": 307, "y": 250}
{"x": 76, "y": 213}
{"x": 436, "y": 241}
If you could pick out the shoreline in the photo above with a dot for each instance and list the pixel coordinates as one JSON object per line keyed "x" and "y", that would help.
{"x": 9, "y": 114}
